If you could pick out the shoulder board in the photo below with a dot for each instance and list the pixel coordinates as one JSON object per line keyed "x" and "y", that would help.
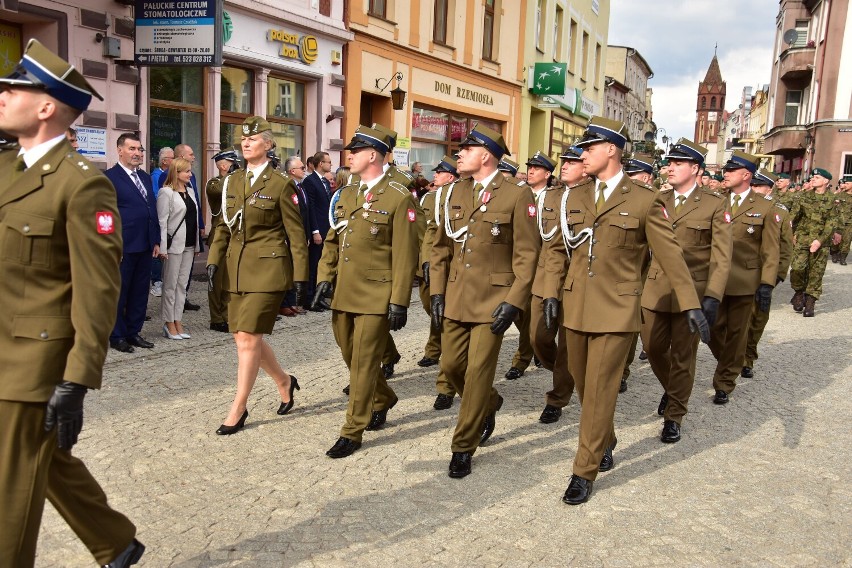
{"x": 767, "y": 197}
{"x": 707, "y": 191}
{"x": 8, "y": 144}
{"x": 581, "y": 183}
{"x": 81, "y": 163}
{"x": 282, "y": 174}
{"x": 666, "y": 189}
{"x": 399, "y": 187}
{"x": 642, "y": 185}
{"x": 404, "y": 174}
{"x": 781, "y": 206}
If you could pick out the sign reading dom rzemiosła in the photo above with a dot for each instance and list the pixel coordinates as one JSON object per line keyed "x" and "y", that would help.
{"x": 178, "y": 32}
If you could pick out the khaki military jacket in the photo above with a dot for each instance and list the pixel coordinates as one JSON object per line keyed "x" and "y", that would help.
{"x": 371, "y": 253}
{"x": 757, "y": 235}
{"x": 495, "y": 259}
{"x": 547, "y": 210}
{"x": 213, "y": 190}
{"x": 60, "y": 249}
{"x": 258, "y": 251}
{"x": 603, "y": 288}
{"x": 703, "y": 231}
{"x": 429, "y": 206}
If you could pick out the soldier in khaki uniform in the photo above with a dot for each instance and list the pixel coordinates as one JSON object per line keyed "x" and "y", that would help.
{"x": 548, "y": 337}
{"x": 702, "y": 226}
{"x": 218, "y": 296}
{"x": 762, "y": 183}
{"x": 754, "y": 270}
{"x": 608, "y": 223}
{"x": 58, "y": 217}
{"x": 508, "y": 167}
{"x": 370, "y": 257}
{"x": 445, "y": 174}
{"x": 481, "y": 270}
{"x": 263, "y": 253}
{"x": 539, "y": 171}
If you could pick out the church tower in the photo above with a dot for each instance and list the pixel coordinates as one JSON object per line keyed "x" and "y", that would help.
{"x": 710, "y": 105}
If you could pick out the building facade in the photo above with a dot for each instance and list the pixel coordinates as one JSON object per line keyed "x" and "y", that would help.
{"x": 810, "y": 95}
{"x": 457, "y": 62}
{"x": 626, "y": 65}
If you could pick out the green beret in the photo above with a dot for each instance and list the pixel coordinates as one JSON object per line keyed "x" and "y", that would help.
{"x": 821, "y": 172}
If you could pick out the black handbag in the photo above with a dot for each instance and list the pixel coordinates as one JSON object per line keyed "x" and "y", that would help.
{"x": 170, "y": 237}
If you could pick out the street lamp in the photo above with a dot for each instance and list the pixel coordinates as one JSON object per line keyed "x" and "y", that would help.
{"x": 664, "y": 139}
{"x": 397, "y": 94}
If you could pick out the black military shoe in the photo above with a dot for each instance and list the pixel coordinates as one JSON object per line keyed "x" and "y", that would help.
{"x": 388, "y": 368}
{"x": 643, "y": 356}
{"x": 623, "y": 386}
{"x": 443, "y": 402}
{"x": 221, "y": 326}
{"x": 460, "y": 464}
{"x": 490, "y": 423}
{"x": 514, "y": 373}
{"x": 129, "y": 556}
{"x": 342, "y": 448}
{"x": 550, "y": 414}
{"x": 747, "y": 373}
{"x": 607, "y": 463}
{"x": 187, "y": 305}
{"x": 380, "y": 417}
{"x": 808, "y": 310}
{"x": 346, "y": 390}
{"x": 720, "y": 398}
{"x": 798, "y": 301}
{"x": 579, "y": 490}
{"x": 537, "y": 362}
{"x": 427, "y": 362}
{"x": 664, "y": 402}
{"x": 122, "y": 345}
{"x": 671, "y": 432}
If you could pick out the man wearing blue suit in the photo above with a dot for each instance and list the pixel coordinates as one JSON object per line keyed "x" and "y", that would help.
{"x": 318, "y": 191}
{"x": 141, "y": 237}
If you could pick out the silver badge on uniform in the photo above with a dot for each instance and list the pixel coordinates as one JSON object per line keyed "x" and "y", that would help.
{"x": 374, "y": 230}
{"x": 365, "y": 215}
{"x": 495, "y": 230}
{"x": 482, "y": 208}
{"x": 750, "y": 229}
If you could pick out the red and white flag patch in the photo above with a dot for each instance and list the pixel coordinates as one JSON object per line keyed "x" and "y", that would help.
{"x": 777, "y": 218}
{"x": 411, "y": 216}
{"x": 727, "y": 217}
{"x": 665, "y": 213}
{"x": 295, "y": 199}
{"x": 531, "y": 210}
{"x": 105, "y": 222}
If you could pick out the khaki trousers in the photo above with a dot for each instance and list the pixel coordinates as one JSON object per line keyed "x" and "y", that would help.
{"x": 596, "y": 361}
{"x": 433, "y": 344}
{"x": 362, "y": 338}
{"x": 32, "y": 468}
{"x": 728, "y": 340}
{"x": 390, "y": 354}
{"x": 469, "y": 362}
{"x": 756, "y": 324}
{"x": 524, "y": 354}
{"x": 672, "y": 350}
{"x": 549, "y": 346}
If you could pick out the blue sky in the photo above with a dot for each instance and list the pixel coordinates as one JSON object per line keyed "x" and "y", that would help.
{"x": 676, "y": 38}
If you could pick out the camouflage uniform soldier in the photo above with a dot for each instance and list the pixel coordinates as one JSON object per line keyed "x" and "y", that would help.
{"x": 846, "y": 218}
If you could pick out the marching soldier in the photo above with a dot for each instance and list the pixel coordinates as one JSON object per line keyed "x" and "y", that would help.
{"x": 762, "y": 183}
{"x": 754, "y": 270}
{"x": 548, "y": 338}
{"x": 608, "y": 223}
{"x": 846, "y": 239}
{"x": 481, "y": 271}
{"x": 539, "y": 170}
{"x": 370, "y": 256}
{"x": 843, "y": 208}
{"x": 445, "y": 174}
{"x": 58, "y": 218}
{"x": 702, "y": 225}
{"x": 814, "y": 226}
{"x": 226, "y": 161}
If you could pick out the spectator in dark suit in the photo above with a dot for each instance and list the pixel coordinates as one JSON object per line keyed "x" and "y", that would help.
{"x": 318, "y": 190}
{"x": 294, "y": 168}
{"x": 141, "y": 237}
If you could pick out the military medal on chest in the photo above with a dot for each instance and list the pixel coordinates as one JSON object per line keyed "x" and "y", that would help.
{"x": 374, "y": 230}
{"x": 750, "y": 229}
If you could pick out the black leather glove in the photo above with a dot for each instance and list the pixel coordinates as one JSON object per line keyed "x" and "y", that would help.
{"x": 397, "y": 316}
{"x": 65, "y": 411}
{"x": 698, "y": 324}
{"x": 504, "y": 315}
{"x": 211, "y": 272}
{"x": 323, "y": 289}
{"x": 551, "y": 312}
{"x": 437, "y": 301}
{"x": 763, "y": 297}
{"x": 301, "y": 292}
{"x": 425, "y": 268}
{"x": 710, "y": 307}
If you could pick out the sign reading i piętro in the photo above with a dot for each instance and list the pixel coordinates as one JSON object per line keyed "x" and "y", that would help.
{"x": 178, "y": 32}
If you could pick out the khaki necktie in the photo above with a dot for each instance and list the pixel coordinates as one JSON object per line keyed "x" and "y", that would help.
{"x": 249, "y": 175}
{"x": 477, "y": 193}
{"x": 679, "y": 199}
{"x": 599, "y": 204}
{"x": 362, "y": 191}
{"x": 736, "y": 204}
{"x": 20, "y": 168}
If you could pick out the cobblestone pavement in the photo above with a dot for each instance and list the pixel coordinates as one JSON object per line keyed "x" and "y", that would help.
{"x": 760, "y": 481}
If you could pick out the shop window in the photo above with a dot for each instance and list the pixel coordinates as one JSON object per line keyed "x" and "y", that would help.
{"x": 285, "y": 111}
{"x": 176, "y": 115}
{"x": 182, "y": 85}
{"x": 563, "y": 134}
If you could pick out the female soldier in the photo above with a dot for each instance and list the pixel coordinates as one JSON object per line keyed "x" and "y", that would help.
{"x": 261, "y": 208}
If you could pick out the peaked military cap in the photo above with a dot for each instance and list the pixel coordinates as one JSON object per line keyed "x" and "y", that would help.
{"x": 255, "y": 125}
{"x": 390, "y": 136}
{"x": 640, "y": 163}
{"x": 40, "y": 68}
{"x": 740, "y": 160}
{"x": 491, "y": 140}
{"x": 685, "y": 149}
{"x": 821, "y": 172}
{"x": 447, "y": 164}
{"x": 508, "y": 166}
{"x": 230, "y": 154}
{"x": 541, "y": 160}
{"x": 764, "y": 177}
{"x": 366, "y": 137}
{"x": 571, "y": 153}
{"x": 602, "y": 129}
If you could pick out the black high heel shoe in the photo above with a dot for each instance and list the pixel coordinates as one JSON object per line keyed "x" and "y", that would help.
{"x": 228, "y": 430}
{"x": 287, "y": 406}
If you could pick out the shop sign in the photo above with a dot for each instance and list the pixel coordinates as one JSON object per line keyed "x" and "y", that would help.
{"x": 303, "y": 48}
{"x": 178, "y": 32}
{"x": 844, "y": 129}
{"x": 10, "y": 47}
{"x": 481, "y": 97}
{"x": 548, "y": 79}
{"x": 92, "y": 142}
{"x": 556, "y": 101}
{"x": 586, "y": 108}
{"x": 400, "y": 157}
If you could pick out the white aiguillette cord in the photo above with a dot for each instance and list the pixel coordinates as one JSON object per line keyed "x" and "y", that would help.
{"x": 540, "y": 208}
{"x": 230, "y": 221}
{"x": 458, "y": 236}
{"x": 571, "y": 241}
